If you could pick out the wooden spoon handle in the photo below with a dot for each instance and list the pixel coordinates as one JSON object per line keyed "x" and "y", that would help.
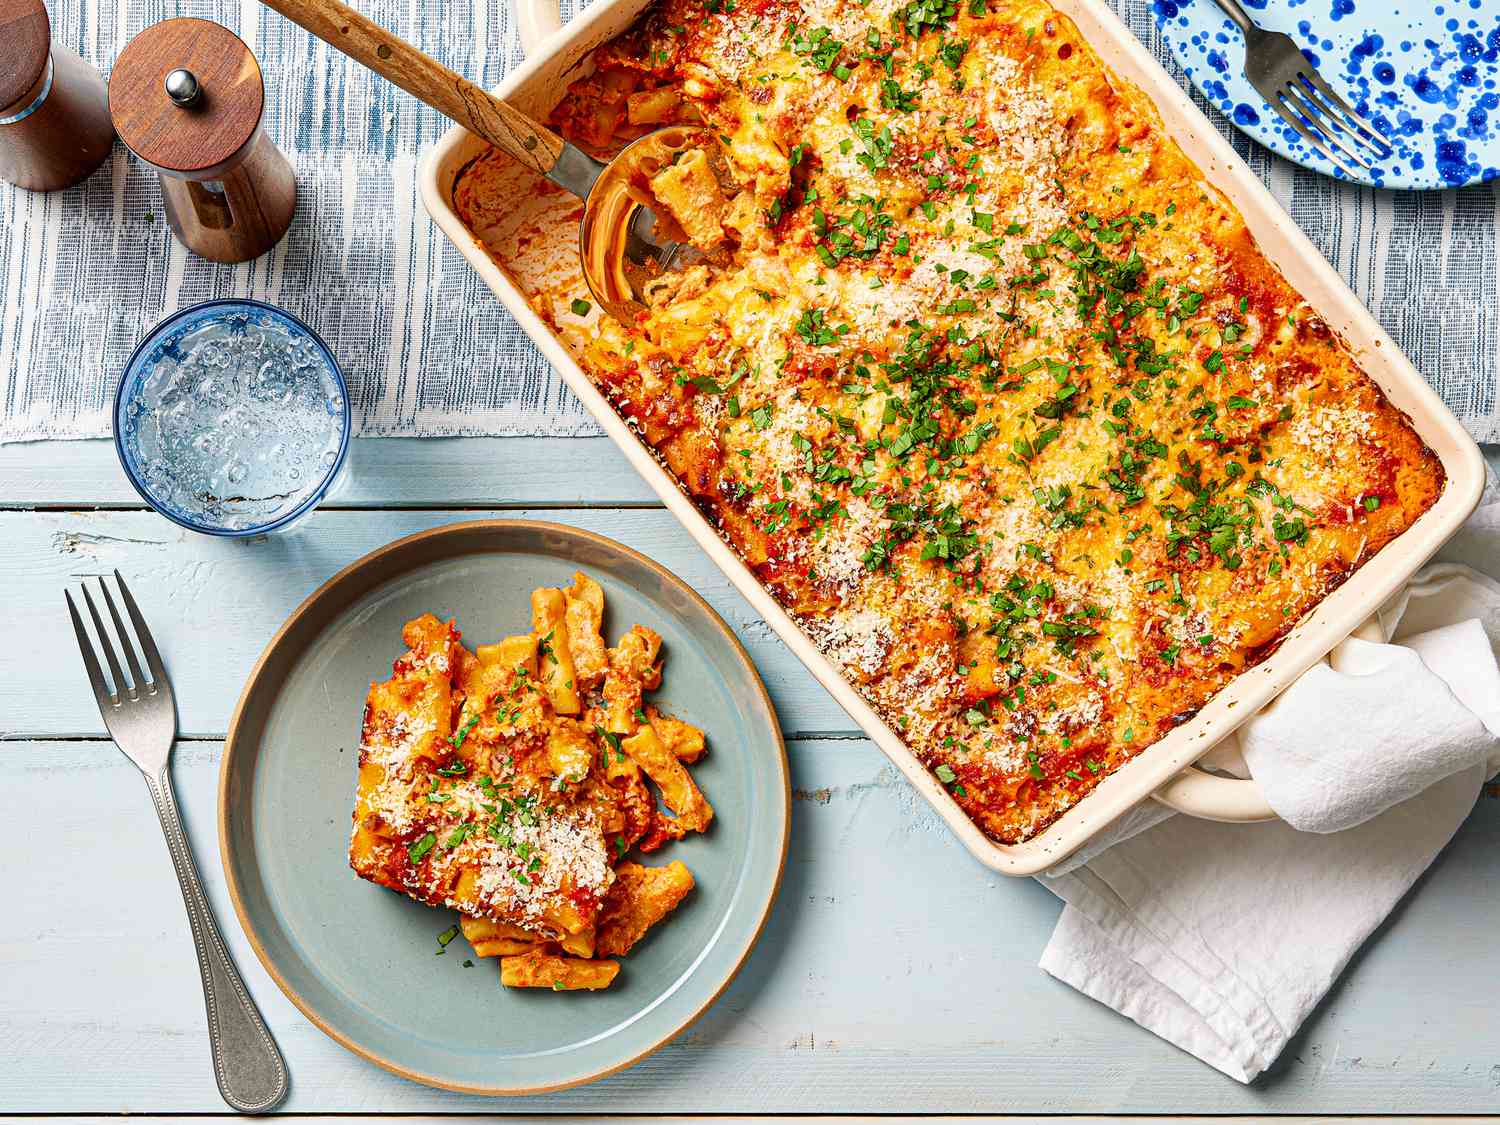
{"x": 422, "y": 76}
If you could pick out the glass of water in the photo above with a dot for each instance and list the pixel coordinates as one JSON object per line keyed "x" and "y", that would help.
{"x": 232, "y": 418}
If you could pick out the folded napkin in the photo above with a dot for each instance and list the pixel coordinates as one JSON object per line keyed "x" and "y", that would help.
{"x": 1222, "y": 938}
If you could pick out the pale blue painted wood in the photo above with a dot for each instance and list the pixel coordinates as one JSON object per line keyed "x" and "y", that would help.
{"x": 382, "y": 473}
{"x": 896, "y": 974}
{"x": 213, "y": 604}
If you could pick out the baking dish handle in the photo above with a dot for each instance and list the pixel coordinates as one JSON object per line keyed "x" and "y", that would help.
{"x": 535, "y": 20}
{"x": 1209, "y": 796}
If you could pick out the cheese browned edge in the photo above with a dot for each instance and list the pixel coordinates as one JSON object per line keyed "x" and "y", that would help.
{"x": 998, "y": 396}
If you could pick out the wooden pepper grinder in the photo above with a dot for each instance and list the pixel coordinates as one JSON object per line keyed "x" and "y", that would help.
{"x": 187, "y": 98}
{"x": 54, "y": 112}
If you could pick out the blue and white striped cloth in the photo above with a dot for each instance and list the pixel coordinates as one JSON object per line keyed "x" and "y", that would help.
{"x": 427, "y": 349}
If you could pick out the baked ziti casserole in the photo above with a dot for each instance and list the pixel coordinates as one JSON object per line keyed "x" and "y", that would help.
{"x": 510, "y": 783}
{"x": 984, "y": 381}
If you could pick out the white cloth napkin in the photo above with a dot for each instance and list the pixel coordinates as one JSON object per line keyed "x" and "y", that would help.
{"x": 1222, "y": 938}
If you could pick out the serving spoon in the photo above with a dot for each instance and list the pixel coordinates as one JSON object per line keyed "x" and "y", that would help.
{"x": 622, "y": 245}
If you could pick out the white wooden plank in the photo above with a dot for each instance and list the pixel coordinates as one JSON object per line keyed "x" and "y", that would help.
{"x": 382, "y": 472}
{"x": 213, "y": 603}
{"x": 896, "y": 975}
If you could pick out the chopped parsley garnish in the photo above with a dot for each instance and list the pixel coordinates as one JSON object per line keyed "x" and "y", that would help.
{"x": 811, "y": 327}
{"x": 822, "y": 50}
{"x": 878, "y": 144}
{"x": 458, "y": 836}
{"x": 855, "y": 235}
{"x": 892, "y": 96}
{"x": 612, "y": 741}
{"x": 1289, "y": 530}
{"x": 417, "y": 850}
{"x": 458, "y": 736}
{"x": 924, "y": 15}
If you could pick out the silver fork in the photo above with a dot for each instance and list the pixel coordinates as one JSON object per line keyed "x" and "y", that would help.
{"x": 1281, "y": 74}
{"x": 142, "y": 719}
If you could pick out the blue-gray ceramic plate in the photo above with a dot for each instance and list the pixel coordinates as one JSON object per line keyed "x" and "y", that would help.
{"x": 1428, "y": 74}
{"x": 359, "y": 960}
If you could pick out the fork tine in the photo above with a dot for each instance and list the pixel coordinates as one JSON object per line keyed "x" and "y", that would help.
{"x": 1333, "y": 124}
{"x": 1314, "y": 79}
{"x": 123, "y": 687}
{"x": 135, "y": 668}
{"x": 1292, "y": 118}
{"x": 1330, "y": 129}
{"x": 143, "y": 635}
{"x": 90, "y": 661}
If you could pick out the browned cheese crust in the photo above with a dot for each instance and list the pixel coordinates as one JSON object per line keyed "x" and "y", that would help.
{"x": 992, "y": 390}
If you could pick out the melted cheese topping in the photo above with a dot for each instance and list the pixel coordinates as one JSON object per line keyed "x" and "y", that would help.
{"x": 474, "y": 793}
{"x": 1001, "y": 400}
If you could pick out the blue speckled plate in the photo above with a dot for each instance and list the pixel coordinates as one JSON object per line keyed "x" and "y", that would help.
{"x": 1427, "y": 73}
{"x": 359, "y": 960}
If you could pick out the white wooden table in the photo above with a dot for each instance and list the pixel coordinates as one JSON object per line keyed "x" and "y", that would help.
{"x": 897, "y": 975}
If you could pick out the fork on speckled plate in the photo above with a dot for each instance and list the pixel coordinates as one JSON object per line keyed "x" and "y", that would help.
{"x": 1292, "y": 86}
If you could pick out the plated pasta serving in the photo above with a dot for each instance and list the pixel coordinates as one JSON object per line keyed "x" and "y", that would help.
{"x": 984, "y": 381}
{"x": 510, "y": 783}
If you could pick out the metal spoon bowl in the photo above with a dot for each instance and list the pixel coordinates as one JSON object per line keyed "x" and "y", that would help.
{"x": 624, "y": 245}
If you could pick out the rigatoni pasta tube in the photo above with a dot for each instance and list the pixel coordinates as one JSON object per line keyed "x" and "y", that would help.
{"x": 554, "y": 654}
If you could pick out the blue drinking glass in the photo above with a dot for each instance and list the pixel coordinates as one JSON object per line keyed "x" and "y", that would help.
{"x": 232, "y": 418}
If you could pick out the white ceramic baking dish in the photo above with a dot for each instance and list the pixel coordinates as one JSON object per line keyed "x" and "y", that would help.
{"x": 556, "y": 55}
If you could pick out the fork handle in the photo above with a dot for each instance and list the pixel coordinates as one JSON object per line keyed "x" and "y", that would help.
{"x": 1241, "y": 18}
{"x": 248, "y": 1067}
